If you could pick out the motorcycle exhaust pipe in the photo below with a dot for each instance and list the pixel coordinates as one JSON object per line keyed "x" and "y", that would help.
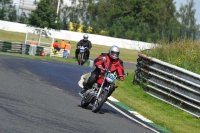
{"x": 81, "y": 95}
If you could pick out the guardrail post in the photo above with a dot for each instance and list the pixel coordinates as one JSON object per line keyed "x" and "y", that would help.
{"x": 169, "y": 83}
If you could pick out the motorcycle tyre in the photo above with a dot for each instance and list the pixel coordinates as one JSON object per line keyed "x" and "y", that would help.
{"x": 80, "y": 59}
{"x": 96, "y": 108}
{"x": 84, "y": 104}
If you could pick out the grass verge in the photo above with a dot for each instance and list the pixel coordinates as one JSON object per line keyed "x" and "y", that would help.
{"x": 127, "y": 55}
{"x": 184, "y": 53}
{"x": 163, "y": 114}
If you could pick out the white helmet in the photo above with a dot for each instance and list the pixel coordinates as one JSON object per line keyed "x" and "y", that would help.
{"x": 114, "y": 52}
{"x": 85, "y": 37}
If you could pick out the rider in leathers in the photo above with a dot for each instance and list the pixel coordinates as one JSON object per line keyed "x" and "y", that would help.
{"x": 113, "y": 63}
{"x": 85, "y": 43}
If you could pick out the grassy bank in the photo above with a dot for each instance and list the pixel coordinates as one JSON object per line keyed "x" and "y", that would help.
{"x": 127, "y": 55}
{"x": 183, "y": 53}
{"x": 163, "y": 114}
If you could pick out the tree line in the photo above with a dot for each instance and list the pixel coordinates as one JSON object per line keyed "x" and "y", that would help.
{"x": 141, "y": 20}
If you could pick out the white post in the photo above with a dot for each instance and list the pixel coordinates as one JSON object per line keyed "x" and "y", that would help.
{"x": 58, "y": 6}
{"x": 40, "y": 36}
{"x": 54, "y": 30}
{"x": 52, "y": 42}
{"x": 26, "y": 35}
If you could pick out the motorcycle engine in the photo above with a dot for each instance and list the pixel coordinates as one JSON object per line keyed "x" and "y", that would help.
{"x": 89, "y": 95}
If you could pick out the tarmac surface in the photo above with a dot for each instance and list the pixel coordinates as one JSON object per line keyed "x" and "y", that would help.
{"x": 127, "y": 65}
{"x": 39, "y": 96}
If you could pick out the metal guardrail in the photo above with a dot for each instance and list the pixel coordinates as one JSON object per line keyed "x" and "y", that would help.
{"x": 1, "y": 45}
{"x": 169, "y": 83}
{"x": 15, "y": 47}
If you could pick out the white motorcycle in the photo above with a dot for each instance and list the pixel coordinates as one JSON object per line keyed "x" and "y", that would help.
{"x": 81, "y": 55}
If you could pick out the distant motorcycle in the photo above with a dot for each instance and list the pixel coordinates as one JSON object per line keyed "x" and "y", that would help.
{"x": 81, "y": 55}
{"x": 98, "y": 94}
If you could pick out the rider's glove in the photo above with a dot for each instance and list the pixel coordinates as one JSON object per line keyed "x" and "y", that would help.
{"x": 121, "y": 78}
{"x": 100, "y": 66}
{"x": 102, "y": 71}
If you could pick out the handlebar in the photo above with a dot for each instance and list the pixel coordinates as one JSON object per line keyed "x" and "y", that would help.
{"x": 118, "y": 76}
{"x": 81, "y": 46}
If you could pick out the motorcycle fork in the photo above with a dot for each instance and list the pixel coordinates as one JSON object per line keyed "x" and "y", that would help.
{"x": 100, "y": 89}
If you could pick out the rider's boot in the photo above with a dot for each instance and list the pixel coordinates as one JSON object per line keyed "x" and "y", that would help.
{"x": 84, "y": 89}
{"x": 86, "y": 57}
{"x": 112, "y": 88}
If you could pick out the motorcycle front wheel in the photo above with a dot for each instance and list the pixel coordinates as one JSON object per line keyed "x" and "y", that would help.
{"x": 80, "y": 59}
{"x": 98, "y": 103}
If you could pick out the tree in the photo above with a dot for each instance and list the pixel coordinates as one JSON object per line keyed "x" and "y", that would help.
{"x": 4, "y": 10}
{"x": 55, "y": 3}
{"x": 45, "y": 16}
{"x": 186, "y": 15}
{"x": 23, "y": 18}
{"x": 65, "y": 24}
{"x": 5, "y": 1}
{"x": 12, "y": 13}
{"x": 77, "y": 14}
{"x": 2, "y": 13}
{"x": 118, "y": 17}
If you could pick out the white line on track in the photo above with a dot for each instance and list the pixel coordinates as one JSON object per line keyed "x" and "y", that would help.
{"x": 144, "y": 125}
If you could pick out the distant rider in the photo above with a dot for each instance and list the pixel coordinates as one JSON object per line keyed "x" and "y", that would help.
{"x": 113, "y": 63}
{"x": 85, "y": 43}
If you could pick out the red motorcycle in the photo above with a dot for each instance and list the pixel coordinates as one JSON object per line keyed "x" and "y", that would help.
{"x": 98, "y": 94}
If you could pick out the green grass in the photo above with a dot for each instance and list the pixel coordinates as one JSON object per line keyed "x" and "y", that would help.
{"x": 183, "y": 53}
{"x": 57, "y": 59}
{"x": 127, "y": 55}
{"x": 165, "y": 115}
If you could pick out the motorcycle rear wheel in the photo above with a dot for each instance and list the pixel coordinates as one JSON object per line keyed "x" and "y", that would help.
{"x": 98, "y": 103}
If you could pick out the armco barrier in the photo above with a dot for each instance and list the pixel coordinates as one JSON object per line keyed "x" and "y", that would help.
{"x": 7, "y": 46}
{"x": 1, "y": 45}
{"x": 169, "y": 83}
{"x": 47, "y": 50}
{"x": 16, "y": 47}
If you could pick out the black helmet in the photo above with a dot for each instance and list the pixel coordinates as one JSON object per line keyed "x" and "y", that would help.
{"x": 114, "y": 52}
